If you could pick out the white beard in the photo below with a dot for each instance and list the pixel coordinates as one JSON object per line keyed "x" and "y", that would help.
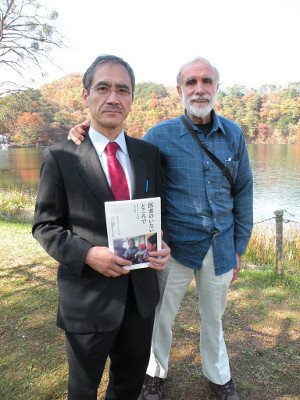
{"x": 196, "y": 111}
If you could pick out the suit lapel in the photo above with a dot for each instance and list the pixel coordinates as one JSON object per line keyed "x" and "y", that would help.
{"x": 90, "y": 169}
{"x": 138, "y": 166}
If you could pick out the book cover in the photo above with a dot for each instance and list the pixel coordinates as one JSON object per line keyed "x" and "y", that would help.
{"x": 134, "y": 229}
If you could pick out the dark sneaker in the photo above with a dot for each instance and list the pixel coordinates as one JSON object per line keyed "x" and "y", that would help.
{"x": 152, "y": 388}
{"x": 225, "y": 392}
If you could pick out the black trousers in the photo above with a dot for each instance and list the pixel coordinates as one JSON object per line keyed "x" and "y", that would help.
{"x": 128, "y": 349}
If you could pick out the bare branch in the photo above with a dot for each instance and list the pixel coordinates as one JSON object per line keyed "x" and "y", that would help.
{"x": 27, "y": 34}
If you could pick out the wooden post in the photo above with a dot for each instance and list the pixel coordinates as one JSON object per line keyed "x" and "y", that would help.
{"x": 279, "y": 241}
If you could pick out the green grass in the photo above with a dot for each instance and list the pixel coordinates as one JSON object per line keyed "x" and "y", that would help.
{"x": 32, "y": 359}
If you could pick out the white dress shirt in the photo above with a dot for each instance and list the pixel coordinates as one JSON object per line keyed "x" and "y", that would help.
{"x": 99, "y": 142}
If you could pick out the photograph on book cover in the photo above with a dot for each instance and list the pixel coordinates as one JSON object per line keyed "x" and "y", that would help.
{"x": 134, "y": 229}
{"x": 136, "y": 249}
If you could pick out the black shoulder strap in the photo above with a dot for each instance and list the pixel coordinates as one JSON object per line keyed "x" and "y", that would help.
{"x": 225, "y": 170}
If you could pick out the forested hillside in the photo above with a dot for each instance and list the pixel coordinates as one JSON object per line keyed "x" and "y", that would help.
{"x": 269, "y": 114}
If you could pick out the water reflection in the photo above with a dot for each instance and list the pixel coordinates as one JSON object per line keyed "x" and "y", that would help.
{"x": 20, "y": 167}
{"x": 276, "y": 172}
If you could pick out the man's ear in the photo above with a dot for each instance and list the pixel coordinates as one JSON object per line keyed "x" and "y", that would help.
{"x": 179, "y": 91}
{"x": 85, "y": 96}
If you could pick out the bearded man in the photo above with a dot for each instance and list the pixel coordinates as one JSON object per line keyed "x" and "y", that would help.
{"x": 209, "y": 224}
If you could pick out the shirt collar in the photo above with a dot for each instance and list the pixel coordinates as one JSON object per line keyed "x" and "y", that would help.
{"x": 100, "y": 141}
{"x": 216, "y": 125}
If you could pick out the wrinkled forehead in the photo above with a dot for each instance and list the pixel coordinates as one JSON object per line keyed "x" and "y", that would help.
{"x": 198, "y": 69}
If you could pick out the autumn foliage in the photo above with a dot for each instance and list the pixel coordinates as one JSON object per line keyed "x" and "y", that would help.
{"x": 267, "y": 115}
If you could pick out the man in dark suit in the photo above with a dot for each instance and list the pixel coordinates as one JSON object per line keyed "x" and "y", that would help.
{"x": 105, "y": 310}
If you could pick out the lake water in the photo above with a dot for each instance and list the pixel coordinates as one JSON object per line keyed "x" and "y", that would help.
{"x": 276, "y": 171}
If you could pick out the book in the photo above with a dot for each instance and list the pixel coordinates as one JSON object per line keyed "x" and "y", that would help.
{"x": 134, "y": 229}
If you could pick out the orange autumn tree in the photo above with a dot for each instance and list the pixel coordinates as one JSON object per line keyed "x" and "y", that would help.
{"x": 30, "y": 129}
{"x": 64, "y": 96}
{"x": 153, "y": 103}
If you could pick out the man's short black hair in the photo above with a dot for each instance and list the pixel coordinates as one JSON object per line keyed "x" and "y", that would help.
{"x": 106, "y": 59}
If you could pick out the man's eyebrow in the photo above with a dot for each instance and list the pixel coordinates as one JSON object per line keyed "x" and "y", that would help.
{"x": 123, "y": 85}
{"x": 210, "y": 77}
{"x": 118, "y": 85}
{"x": 189, "y": 79}
{"x": 104, "y": 83}
{"x": 193, "y": 78}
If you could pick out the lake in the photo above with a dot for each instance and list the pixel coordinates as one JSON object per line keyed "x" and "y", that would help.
{"x": 276, "y": 172}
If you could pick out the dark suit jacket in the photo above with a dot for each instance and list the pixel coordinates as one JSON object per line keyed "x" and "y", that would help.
{"x": 70, "y": 218}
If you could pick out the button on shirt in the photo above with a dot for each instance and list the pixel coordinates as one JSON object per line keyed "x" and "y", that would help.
{"x": 200, "y": 210}
{"x": 100, "y": 141}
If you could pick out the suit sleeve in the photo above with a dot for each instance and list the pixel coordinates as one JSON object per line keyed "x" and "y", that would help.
{"x": 50, "y": 226}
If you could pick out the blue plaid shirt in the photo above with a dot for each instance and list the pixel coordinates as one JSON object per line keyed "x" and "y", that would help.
{"x": 200, "y": 210}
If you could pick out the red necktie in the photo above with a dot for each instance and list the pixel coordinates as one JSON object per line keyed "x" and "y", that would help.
{"x": 117, "y": 177}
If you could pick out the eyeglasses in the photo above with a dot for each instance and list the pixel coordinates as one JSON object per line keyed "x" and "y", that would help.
{"x": 105, "y": 91}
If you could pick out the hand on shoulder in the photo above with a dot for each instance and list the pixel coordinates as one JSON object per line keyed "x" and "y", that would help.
{"x": 78, "y": 132}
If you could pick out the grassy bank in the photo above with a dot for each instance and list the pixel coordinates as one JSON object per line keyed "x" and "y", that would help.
{"x": 262, "y": 247}
{"x": 261, "y": 325}
{"x": 18, "y": 204}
